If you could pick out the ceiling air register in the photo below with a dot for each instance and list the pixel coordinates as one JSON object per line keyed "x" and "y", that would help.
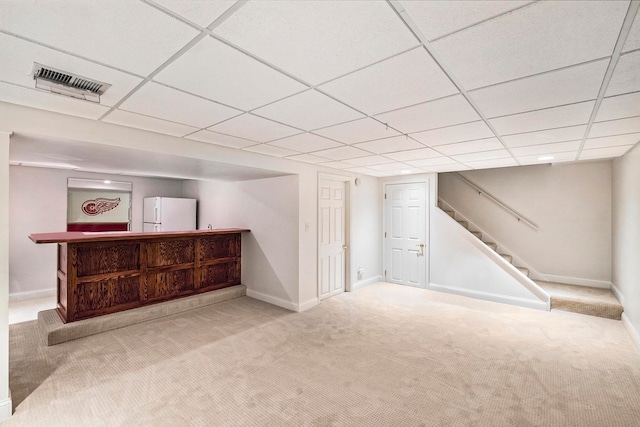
{"x": 68, "y": 84}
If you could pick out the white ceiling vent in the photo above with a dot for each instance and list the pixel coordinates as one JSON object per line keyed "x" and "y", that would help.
{"x": 68, "y": 84}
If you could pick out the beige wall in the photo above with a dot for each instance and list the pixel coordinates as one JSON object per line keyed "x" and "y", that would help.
{"x": 570, "y": 203}
{"x": 38, "y": 204}
{"x": 269, "y": 208}
{"x": 5, "y": 400}
{"x": 626, "y": 234}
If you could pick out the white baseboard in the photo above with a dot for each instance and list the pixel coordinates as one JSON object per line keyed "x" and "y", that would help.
{"x": 617, "y": 293}
{"x": 633, "y": 333}
{"x": 577, "y": 281}
{"x": 272, "y": 300}
{"x": 283, "y": 303}
{"x": 6, "y": 407}
{"x": 366, "y": 282}
{"x": 307, "y": 305}
{"x": 40, "y": 293}
{"x": 538, "y": 305}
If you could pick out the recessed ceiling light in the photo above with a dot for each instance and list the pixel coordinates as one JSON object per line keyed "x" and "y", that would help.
{"x": 106, "y": 181}
{"x": 404, "y": 172}
{"x": 545, "y": 158}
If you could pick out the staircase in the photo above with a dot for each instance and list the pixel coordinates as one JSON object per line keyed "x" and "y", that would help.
{"x": 509, "y": 258}
{"x": 577, "y": 299}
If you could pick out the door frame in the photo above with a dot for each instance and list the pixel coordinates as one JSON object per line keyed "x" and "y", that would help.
{"x": 431, "y": 188}
{"x": 347, "y": 228}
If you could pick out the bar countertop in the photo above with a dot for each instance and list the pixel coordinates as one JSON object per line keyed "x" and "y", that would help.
{"x": 100, "y": 236}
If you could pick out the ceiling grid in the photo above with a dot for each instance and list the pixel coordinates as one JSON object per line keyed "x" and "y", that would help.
{"x": 378, "y": 88}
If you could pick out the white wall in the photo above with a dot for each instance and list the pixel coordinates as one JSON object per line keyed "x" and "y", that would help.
{"x": 269, "y": 208}
{"x": 5, "y": 394}
{"x": 284, "y": 232}
{"x": 626, "y": 236}
{"x": 570, "y": 203}
{"x": 38, "y": 204}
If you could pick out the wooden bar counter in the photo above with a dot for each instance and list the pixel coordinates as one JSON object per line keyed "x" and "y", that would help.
{"x": 107, "y": 272}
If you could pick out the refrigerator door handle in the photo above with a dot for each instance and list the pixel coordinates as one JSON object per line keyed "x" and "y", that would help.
{"x": 156, "y": 227}
{"x": 155, "y": 214}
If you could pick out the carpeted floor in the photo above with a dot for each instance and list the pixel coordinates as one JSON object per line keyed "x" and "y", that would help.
{"x": 385, "y": 355}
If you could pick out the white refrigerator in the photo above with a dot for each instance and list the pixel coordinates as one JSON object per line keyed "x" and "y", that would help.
{"x": 169, "y": 214}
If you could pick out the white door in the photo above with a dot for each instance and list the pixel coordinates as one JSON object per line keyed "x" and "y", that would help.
{"x": 331, "y": 237}
{"x": 405, "y": 234}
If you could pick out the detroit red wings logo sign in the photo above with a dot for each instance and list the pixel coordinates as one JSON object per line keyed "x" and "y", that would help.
{"x": 99, "y": 206}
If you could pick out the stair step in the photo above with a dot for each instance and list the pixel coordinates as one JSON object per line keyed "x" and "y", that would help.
{"x": 452, "y": 214}
{"x": 465, "y": 224}
{"x": 477, "y": 234}
{"x": 492, "y": 245}
{"x": 440, "y": 204}
{"x": 507, "y": 257}
{"x": 584, "y": 300}
{"x": 523, "y": 270}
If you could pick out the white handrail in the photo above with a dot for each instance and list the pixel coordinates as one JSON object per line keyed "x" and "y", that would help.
{"x": 511, "y": 211}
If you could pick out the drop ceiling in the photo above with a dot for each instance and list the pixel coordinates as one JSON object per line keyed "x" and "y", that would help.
{"x": 372, "y": 87}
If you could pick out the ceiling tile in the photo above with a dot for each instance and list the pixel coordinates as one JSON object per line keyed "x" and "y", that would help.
{"x": 356, "y": 131}
{"x": 270, "y": 150}
{"x": 342, "y": 153}
{"x": 360, "y": 170}
{"x": 219, "y": 72}
{"x": 615, "y": 127}
{"x": 436, "y": 161}
{"x": 542, "y": 37}
{"x": 633, "y": 39}
{"x": 318, "y": 41}
{"x": 305, "y": 142}
{"x": 483, "y": 155}
{"x": 421, "y": 153}
{"x": 561, "y": 87}
{"x": 139, "y": 37}
{"x": 430, "y": 115}
{"x": 407, "y": 79}
{"x": 626, "y": 76}
{"x": 451, "y": 134}
{"x": 548, "y": 118}
{"x": 19, "y": 55}
{"x": 612, "y": 141}
{"x": 396, "y": 166}
{"x": 470, "y": 146}
{"x": 494, "y": 163}
{"x": 254, "y": 128}
{"x": 369, "y": 160}
{"x": 545, "y": 136}
{"x": 452, "y": 167}
{"x": 382, "y": 174}
{"x": 200, "y": 12}
{"x": 308, "y": 110}
{"x": 604, "y": 153}
{"x": 337, "y": 165}
{"x": 47, "y": 101}
{"x": 619, "y": 107}
{"x": 388, "y": 145}
{"x": 307, "y": 158}
{"x": 568, "y": 156}
{"x": 220, "y": 139}
{"x": 556, "y": 147}
{"x": 148, "y": 123}
{"x": 165, "y": 103}
{"x": 439, "y": 18}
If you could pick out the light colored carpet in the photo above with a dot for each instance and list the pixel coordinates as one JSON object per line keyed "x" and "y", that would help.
{"x": 385, "y": 355}
{"x": 583, "y": 299}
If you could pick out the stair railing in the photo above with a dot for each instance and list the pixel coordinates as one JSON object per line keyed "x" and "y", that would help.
{"x": 481, "y": 191}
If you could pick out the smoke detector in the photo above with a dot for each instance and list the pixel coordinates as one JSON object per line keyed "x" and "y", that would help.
{"x": 64, "y": 83}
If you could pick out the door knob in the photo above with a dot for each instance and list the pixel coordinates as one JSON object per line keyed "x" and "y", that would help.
{"x": 421, "y": 246}
{"x": 344, "y": 246}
